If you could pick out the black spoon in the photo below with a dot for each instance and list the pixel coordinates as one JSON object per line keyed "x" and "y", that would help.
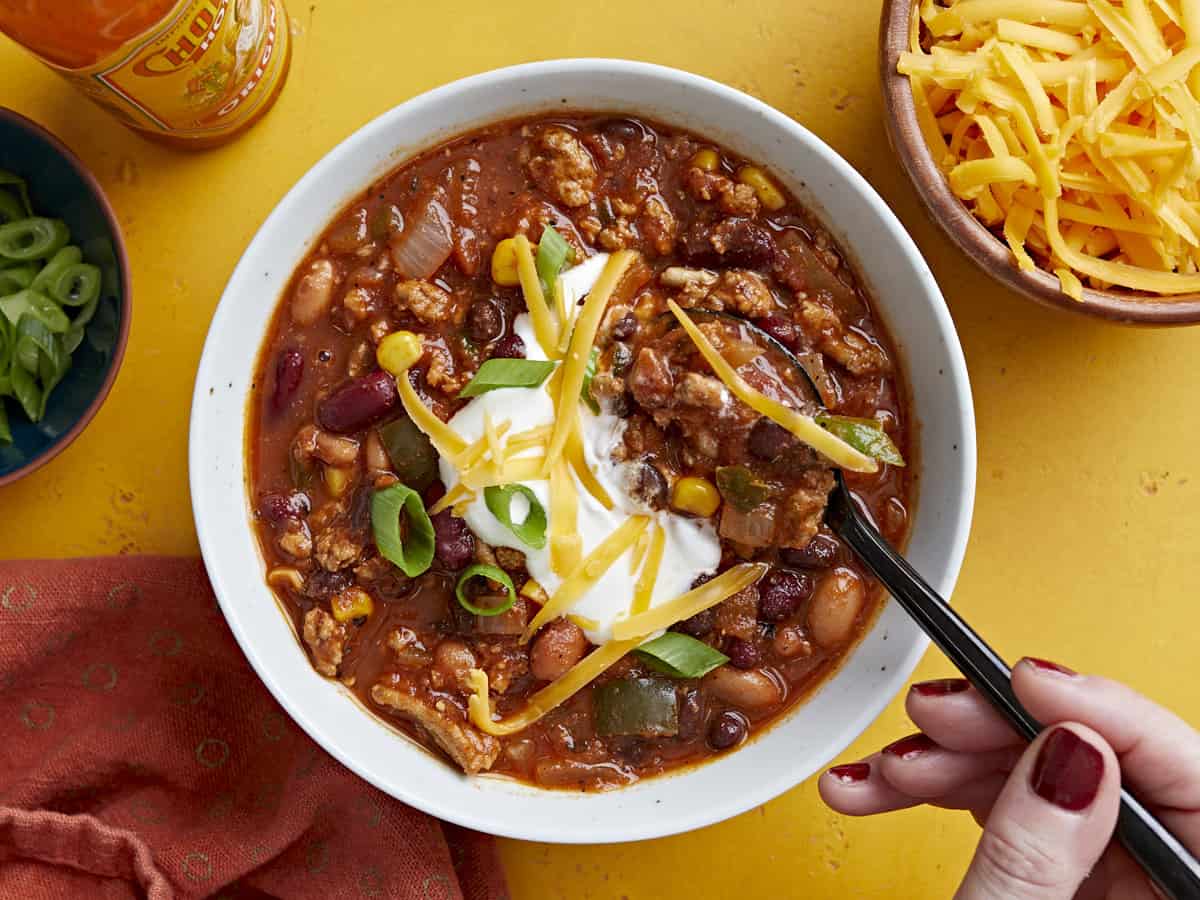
{"x": 1172, "y": 867}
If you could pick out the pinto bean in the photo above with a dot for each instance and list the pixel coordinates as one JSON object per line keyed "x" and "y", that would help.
{"x": 745, "y": 689}
{"x": 376, "y": 454}
{"x": 335, "y": 451}
{"x": 453, "y": 662}
{"x": 358, "y": 403}
{"x": 314, "y": 293}
{"x": 561, "y": 644}
{"x": 835, "y": 607}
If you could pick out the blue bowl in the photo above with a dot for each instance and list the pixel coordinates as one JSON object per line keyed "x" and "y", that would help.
{"x": 60, "y": 187}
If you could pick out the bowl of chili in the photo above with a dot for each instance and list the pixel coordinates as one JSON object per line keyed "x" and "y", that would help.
{"x": 246, "y": 515}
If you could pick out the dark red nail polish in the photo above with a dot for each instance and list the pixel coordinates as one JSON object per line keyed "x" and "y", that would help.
{"x": 941, "y": 687}
{"x": 1068, "y": 771}
{"x": 908, "y": 747}
{"x": 1046, "y": 666}
{"x": 851, "y": 773}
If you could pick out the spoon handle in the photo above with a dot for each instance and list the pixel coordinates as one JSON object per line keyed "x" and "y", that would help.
{"x": 1160, "y": 853}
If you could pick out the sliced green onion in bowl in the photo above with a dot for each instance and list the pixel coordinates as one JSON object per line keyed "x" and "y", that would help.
{"x": 491, "y": 573}
{"x": 553, "y": 255}
{"x": 407, "y": 544}
{"x": 16, "y": 183}
{"x": 495, "y": 374}
{"x": 589, "y": 372}
{"x": 864, "y": 435}
{"x": 680, "y": 656}
{"x": 532, "y": 529}
{"x": 32, "y": 303}
{"x": 32, "y": 238}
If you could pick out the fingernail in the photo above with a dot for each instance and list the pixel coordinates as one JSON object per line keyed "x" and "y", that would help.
{"x": 1068, "y": 771}
{"x": 1046, "y": 666}
{"x": 852, "y": 773}
{"x": 911, "y": 746}
{"x": 941, "y": 687}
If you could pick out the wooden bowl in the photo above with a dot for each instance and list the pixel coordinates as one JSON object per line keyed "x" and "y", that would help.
{"x": 970, "y": 235}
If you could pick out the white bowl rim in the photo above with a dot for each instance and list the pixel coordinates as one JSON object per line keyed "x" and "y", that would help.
{"x": 551, "y": 830}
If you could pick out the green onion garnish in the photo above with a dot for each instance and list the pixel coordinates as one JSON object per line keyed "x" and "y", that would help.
{"x": 553, "y": 255}
{"x": 864, "y": 435}
{"x": 32, "y": 238}
{"x": 589, "y": 372}
{"x": 681, "y": 656}
{"x": 508, "y": 373}
{"x": 531, "y": 531}
{"x": 409, "y": 544}
{"x": 31, "y": 303}
{"x": 9, "y": 180}
{"x": 491, "y": 573}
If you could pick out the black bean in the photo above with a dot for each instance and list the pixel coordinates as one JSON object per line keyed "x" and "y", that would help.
{"x": 726, "y": 730}
{"x": 781, "y": 592}
{"x": 691, "y": 716}
{"x": 622, "y": 130}
{"x": 622, "y": 359}
{"x": 769, "y": 441}
{"x": 625, "y": 327}
{"x": 650, "y": 486}
{"x": 278, "y": 508}
{"x": 358, "y": 403}
{"x": 453, "y": 540}
{"x": 821, "y": 553}
{"x": 509, "y": 347}
{"x": 484, "y": 321}
{"x": 699, "y": 625}
{"x": 743, "y": 654}
{"x": 289, "y": 371}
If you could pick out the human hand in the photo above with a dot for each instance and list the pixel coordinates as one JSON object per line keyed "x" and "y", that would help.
{"x": 1048, "y": 809}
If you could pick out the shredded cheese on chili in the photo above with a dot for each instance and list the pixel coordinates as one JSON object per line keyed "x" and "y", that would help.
{"x": 1091, "y": 103}
{"x": 687, "y": 605}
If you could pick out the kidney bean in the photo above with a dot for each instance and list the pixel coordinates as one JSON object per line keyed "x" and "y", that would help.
{"x": 769, "y": 440}
{"x": 453, "y": 541}
{"x": 727, "y": 729}
{"x": 358, "y": 403}
{"x": 289, "y": 370}
{"x": 781, "y": 592}
{"x": 277, "y": 508}
{"x": 484, "y": 322}
{"x": 780, "y": 328}
{"x": 509, "y": 347}
{"x": 821, "y": 553}
{"x": 743, "y": 654}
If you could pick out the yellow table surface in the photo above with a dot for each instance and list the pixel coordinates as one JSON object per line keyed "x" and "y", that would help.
{"x": 1086, "y": 541}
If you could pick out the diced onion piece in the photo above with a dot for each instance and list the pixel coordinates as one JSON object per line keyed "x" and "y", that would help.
{"x": 643, "y": 589}
{"x": 425, "y": 243}
{"x": 535, "y": 299}
{"x": 802, "y": 426}
{"x": 588, "y": 572}
{"x": 548, "y": 698}
{"x": 687, "y": 605}
{"x": 584, "y": 336}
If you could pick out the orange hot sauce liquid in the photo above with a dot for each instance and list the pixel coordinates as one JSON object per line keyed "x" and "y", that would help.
{"x": 189, "y": 72}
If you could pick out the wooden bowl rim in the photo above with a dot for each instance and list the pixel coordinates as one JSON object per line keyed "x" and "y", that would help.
{"x": 968, "y": 233}
{"x": 125, "y": 298}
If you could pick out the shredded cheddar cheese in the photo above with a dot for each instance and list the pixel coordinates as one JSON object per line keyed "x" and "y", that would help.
{"x": 643, "y": 591}
{"x": 566, "y": 546}
{"x": 460, "y": 493}
{"x": 687, "y": 605}
{"x": 539, "y": 311}
{"x": 1072, "y": 128}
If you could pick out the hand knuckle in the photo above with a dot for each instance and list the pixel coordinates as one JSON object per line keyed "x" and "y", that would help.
{"x": 1019, "y": 864}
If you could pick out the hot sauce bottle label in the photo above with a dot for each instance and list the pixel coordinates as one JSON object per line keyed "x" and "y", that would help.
{"x": 202, "y": 73}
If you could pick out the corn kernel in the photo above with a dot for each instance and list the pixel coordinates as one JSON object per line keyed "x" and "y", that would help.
{"x": 351, "y": 603}
{"x": 337, "y": 480}
{"x": 398, "y": 352}
{"x": 768, "y": 194}
{"x": 286, "y": 577}
{"x": 706, "y": 159}
{"x": 697, "y": 496}
{"x": 504, "y": 264}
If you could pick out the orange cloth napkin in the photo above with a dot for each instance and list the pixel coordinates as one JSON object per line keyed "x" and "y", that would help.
{"x": 140, "y": 756}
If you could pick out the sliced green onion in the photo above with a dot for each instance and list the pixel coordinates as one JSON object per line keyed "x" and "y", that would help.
{"x": 16, "y": 278}
{"x": 27, "y": 392}
{"x": 681, "y": 656}
{"x": 410, "y": 451}
{"x": 41, "y": 307}
{"x": 10, "y": 208}
{"x": 553, "y": 255}
{"x": 58, "y": 263}
{"x": 34, "y": 340}
{"x": 10, "y": 180}
{"x": 864, "y": 435}
{"x": 408, "y": 545}
{"x": 5, "y": 433}
{"x": 740, "y": 489}
{"x": 508, "y": 373}
{"x": 32, "y": 238}
{"x": 491, "y": 573}
{"x": 532, "y": 531}
{"x": 589, "y": 372}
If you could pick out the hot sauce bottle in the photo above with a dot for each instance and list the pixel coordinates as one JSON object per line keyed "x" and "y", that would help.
{"x": 189, "y": 72}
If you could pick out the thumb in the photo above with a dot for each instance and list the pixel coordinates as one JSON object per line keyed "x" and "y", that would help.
{"x": 1051, "y": 822}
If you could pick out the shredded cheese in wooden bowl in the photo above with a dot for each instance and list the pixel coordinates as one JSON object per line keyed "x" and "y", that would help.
{"x": 1070, "y": 128}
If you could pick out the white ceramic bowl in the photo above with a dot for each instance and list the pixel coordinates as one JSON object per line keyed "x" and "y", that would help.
{"x": 906, "y": 297}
